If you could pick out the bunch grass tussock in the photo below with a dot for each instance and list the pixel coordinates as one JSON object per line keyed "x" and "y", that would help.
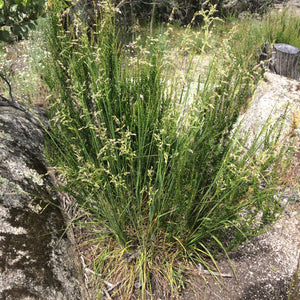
{"x": 165, "y": 181}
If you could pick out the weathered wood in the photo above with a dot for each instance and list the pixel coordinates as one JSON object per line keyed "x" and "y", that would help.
{"x": 285, "y": 60}
{"x": 282, "y": 59}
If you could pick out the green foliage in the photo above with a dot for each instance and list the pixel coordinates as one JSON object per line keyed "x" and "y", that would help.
{"x": 17, "y": 17}
{"x": 282, "y": 28}
{"x": 155, "y": 160}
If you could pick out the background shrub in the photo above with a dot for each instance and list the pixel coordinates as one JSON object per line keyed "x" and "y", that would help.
{"x": 17, "y": 17}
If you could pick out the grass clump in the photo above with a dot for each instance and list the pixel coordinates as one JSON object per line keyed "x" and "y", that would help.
{"x": 283, "y": 28}
{"x": 158, "y": 168}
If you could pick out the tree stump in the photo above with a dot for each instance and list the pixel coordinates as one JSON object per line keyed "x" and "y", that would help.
{"x": 285, "y": 60}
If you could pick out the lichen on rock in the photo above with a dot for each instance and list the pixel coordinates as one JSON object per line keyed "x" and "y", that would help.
{"x": 37, "y": 259}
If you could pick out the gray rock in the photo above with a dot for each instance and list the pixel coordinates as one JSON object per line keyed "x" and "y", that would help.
{"x": 276, "y": 99}
{"x": 37, "y": 258}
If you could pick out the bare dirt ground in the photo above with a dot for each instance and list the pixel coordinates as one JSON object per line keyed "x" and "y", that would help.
{"x": 265, "y": 267}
